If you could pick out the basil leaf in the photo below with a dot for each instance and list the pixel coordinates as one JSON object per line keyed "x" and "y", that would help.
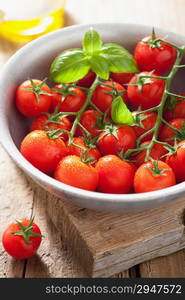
{"x": 92, "y": 42}
{"x": 120, "y": 112}
{"x": 69, "y": 66}
{"x": 100, "y": 66}
{"x": 120, "y": 60}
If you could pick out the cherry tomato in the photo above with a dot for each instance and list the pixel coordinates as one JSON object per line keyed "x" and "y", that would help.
{"x": 147, "y": 92}
{"x": 57, "y": 98}
{"x": 70, "y": 103}
{"x": 157, "y": 152}
{"x": 42, "y": 151}
{"x": 63, "y": 123}
{"x": 147, "y": 121}
{"x": 175, "y": 108}
{"x": 71, "y": 170}
{"x": 122, "y": 78}
{"x": 102, "y": 98}
{"x": 88, "y": 80}
{"x": 168, "y": 135}
{"x": 33, "y": 97}
{"x": 153, "y": 176}
{"x": 113, "y": 139}
{"x": 22, "y": 239}
{"x": 177, "y": 162}
{"x": 91, "y": 120}
{"x": 158, "y": 57}
{"x": 115, "y": 175}
{"x": 92, "y": 152}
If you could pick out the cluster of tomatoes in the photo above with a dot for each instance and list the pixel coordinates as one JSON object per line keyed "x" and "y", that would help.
{"x": 94, "y": 160}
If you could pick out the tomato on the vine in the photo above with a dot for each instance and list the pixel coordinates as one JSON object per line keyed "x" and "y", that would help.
{"x": 104, "y": 95}
{"x": 157, "y": 152}
{"x": 145, "y": 92}
{"x": 169, "y": 135}
{"x": 33, "y": 97}
{"x": 92, "y": 121}
{"x": 42, "y": 151}
{"x": 52, "y": 122}
{"x": 154, "y": 56}
{"x": 145, "y": 121}
{"x": 177, "y": 161}
{"x": 87, "y": 80}
{"x": 67, "y": 101}
{"x": 115, "y": 175}
{"x": 174, "y": 108}
{"x": 86, "y": 146}
{"x": 22, "y": 239}
{"x": 71, "y": 170}
{"x": 153, "y": 176}
{"x": 122, "y": 78}
{"x": 114, "y": 139}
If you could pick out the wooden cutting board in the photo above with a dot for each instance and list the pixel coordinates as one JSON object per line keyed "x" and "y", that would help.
{"x": 104, "y": 244}
{"x": 108, "y": 243}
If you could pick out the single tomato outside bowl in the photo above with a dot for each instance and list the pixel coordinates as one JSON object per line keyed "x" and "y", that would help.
{"x": 33, "y": 61}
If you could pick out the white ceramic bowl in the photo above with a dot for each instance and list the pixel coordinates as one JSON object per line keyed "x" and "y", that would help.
{"x": 33, "y": 61}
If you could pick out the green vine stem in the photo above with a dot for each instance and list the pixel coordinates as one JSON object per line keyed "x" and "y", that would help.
{"x": 80, "y": 112}
{"x": 159, "y": 108}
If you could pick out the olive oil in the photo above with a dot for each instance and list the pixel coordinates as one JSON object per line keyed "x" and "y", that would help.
{"x": 24, "y": 20}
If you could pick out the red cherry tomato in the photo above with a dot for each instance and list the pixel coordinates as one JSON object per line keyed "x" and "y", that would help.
{"x": 159, "y": 58}
{"x": 157, "y": 152}
{"x": 147, "y": 121}
{"x": 40, "y": 124}
{"x": 122, "y": 78}
{"x": 115, "y": 175}
{"x": 175, "y": 108}
{"x": 93, "y": 121}
{"x": 33, "y": 98}
{"x": 102, "y": 98}
{"x": 22, "y": 239}
{"x": 177, "y": 162}
{"x": 168, "y": 135}
{"x": 42, "y": 151}
{"x": 149, "y": 178}
{"x": 57, "y": 98}
{"x": 113, "y": 140}
{"x": 88, "y": 80}
{"x": 148, "y": 94}
{"x": 74, "y": 150}
{"x": 71, "y": 170}
{"x": 89, "y": 119}
{"x": 70, "y": 103}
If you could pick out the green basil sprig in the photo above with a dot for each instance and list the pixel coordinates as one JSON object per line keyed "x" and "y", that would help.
{"x": 120, "y": 113}
{"x": 73, "y": 64}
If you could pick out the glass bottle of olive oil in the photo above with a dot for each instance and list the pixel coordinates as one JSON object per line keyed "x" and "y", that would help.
{"x": 24, "y": 20}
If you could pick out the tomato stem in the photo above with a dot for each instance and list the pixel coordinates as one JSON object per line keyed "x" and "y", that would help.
{"x": 160, "y": 108}
{"x": 26, "y": 231}
{"x": 80, "y": 112}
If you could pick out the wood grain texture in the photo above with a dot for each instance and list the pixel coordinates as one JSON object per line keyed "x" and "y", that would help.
{"x": 15, "y": 203}
{"x": 107, "y": 243}
{"x": 18, "y": 198}
{"x": 166, "y": 13}
{"x": 52, "y": 259}
{"x": 168, "y": 266}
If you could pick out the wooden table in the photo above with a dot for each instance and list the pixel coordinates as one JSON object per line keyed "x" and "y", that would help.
{"x": 19, "y": 196}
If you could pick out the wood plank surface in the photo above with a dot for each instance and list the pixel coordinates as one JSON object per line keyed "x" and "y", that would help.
{"x": 108, "y": 243}
{"x": 167, "y": 266}
{"x": 15, "y": 203}
{"x": 18, "y": 198}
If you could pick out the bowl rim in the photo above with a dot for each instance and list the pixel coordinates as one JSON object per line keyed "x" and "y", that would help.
{"x": 8, "y": 143}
